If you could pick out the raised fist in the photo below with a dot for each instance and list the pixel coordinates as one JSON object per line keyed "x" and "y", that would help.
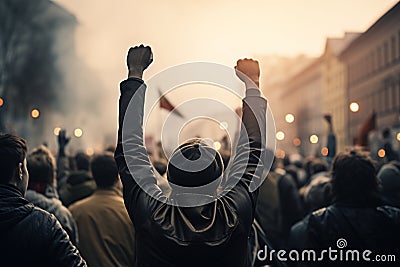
{"x": 63, "y": 140}
{"x": 139, "y": 58}
{"x": 248, "y": 71}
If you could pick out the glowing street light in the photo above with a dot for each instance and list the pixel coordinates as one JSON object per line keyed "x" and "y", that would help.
{"x": 314, "y": 139}
{"x": 35, "y": 113}
{"x": 280, "y": 154}
{"x": 78, "y": 132}
{"x": 324, "y": 151}
{"x": 381, "y": 153}
{"x": 1, "y": 102}
{"x": 296, "y": 142}
{"x": 354, "y": 107}
{"x": 217, "y": 145}
{"x": 289, "y": 118}
{"x": 398, "y": 136}
{"x": 89, "y": 151}
{"x": 280, "y": 135}
{"x": 56, "y": 131}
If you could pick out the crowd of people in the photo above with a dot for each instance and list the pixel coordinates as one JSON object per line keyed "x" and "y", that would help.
{"x": 124, "y": 208}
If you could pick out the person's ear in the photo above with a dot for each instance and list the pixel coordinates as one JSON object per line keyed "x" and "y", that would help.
{"x": 20, "y": 171}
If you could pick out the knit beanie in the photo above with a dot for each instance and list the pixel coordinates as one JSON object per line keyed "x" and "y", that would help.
{"x": 194, "y": 163}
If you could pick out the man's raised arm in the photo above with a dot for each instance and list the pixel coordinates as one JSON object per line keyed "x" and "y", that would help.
{"x": 139, "y": 183}
{"x": 247, "y": 166}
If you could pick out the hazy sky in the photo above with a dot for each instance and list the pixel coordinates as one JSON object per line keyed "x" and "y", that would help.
{"x": 219, "y": 31}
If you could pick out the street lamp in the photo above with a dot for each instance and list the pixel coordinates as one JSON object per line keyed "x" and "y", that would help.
{"x": 314, "y": 139}
{"x": 35, "y": 113}
{"x": 354, "y": 107}
{"x": 78, "y": 132}
{"x": 289, "y": 118}
{"x": 296, "y": 142}
{"x": 57, "y": 131}
{"x": 280, "y": 136}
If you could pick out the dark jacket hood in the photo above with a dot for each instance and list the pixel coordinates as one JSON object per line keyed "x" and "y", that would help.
{"x": 13, "y": 207}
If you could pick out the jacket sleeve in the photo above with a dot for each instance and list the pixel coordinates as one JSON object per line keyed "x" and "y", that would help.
{"x": 62, "y": 169}
{"x": 141, "y": 192}
{"x": 61, "y": 251}
{"x": 245, "y": 173}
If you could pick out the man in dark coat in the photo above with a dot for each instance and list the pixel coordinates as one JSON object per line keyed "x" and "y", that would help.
{"x": 29, "y": 236}
{"x": 355, "y": 221}
{"x": 42, "y": 189}
{"x": 190, "y": 228}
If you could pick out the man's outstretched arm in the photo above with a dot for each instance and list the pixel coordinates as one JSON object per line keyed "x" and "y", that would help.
{"x": 139, "y": 183}
{"x": 247, "y": 166}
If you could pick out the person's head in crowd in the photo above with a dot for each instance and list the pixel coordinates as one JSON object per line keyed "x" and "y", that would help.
{"x": 82, "y": 161}
{"x": 296, "y": 160}
{"x": 389, "y": 176}
{"x": 307, "y": 165}
{"x": 195, "y": 163}
{"x": 160, "y": 167}
{"x": 318, "y": 165}
{"x": 42, "y": 169}
{"x": 13, "y": 151}
{"x": 286, "y": 161}
{"x": 354, "y": 178}
{"x": 104, "y": 170}
{"x": 318, "y": 193}
{"x": 292, "y": 171}
{"x": 110, "y": 148}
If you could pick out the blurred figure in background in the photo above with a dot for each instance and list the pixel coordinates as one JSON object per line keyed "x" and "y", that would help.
{"x": 356, "y": 214}
{"x": 278, "y": 206}
{"x": 73, "y": 185}
{"x": 389, "y": 176}
{"x": 41, "y": 189}
{"x": 29, "y": 236}
{"x": 106, "y": 233}
{"x": 331, "y": 141}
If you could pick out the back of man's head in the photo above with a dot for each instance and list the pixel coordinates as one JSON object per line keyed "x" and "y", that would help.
{"x": 82, "y": 161}
{"x": 13, "y": 151}
{"x": 354, "y": 177}
{"x": 318, "y": 165}
{"x": 41, "y": 166}
{"x": 194, "y": 163}
{"x": 104, "y": 170}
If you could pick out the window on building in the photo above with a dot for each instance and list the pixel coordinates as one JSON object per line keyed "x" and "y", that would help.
{"x": 398, "y": 45}
{"x": 394, "y": 96}
{"x": 393, "y": 49}
{"x": 378, "y": 51}
{"x": 385, "y": 54}
{"x": 373, "y": 61}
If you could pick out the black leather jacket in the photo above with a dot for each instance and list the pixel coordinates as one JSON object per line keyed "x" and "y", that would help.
{"x": 376, "y": 228}
{"x": 30, "y": 236}
{"x": 214, "y": 234}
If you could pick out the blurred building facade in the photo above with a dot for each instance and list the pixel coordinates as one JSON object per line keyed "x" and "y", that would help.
{"x": 301, "y": 96}
{"x": 334, "y": 90}
{"x": 359, "y": 67}
{"x": 373, "y": 69}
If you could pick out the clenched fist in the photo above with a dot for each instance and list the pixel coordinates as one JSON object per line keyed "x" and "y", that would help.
{"x": 139, "y": 58}
{"x": 248, "y": 71}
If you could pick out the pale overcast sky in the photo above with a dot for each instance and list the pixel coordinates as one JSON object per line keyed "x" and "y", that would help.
{"x": 219, "y": 31}
{"x": 212, "y": 30}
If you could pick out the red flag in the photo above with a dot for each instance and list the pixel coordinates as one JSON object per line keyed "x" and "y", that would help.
{"x": 368, "y": 125}
{"x": 164, "y": 103}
